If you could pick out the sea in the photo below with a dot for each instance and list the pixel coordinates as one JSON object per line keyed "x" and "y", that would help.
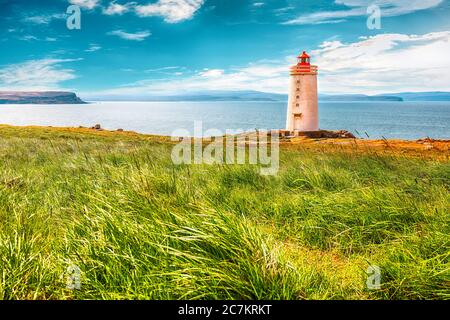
{"x": 375, "y": 120}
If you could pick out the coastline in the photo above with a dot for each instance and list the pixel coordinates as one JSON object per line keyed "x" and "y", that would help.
{"x": 439, "y": 148}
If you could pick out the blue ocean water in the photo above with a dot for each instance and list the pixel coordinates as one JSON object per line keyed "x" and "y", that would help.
{"x": 404, "y": 120}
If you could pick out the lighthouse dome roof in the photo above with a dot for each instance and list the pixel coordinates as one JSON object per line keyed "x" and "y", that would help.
{"x": 304, "y": 55}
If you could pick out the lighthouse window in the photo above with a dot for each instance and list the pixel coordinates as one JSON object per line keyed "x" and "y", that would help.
{"x": 298, "y": 81}
{"x": 297, "y": 105}
{"x": 298, "y": 89}
{"x": 298, "y": 97}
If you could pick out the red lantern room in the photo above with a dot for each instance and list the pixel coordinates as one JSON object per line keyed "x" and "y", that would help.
{"x": 303, "y": 59}
{"x": 303, "y": 65}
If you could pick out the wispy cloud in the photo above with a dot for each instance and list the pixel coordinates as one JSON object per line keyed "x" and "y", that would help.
{"x": 356, "y": 8}
{"x": 137, "y": 36}
{"x": 262, "y": 76}
{"x": 43, "y": 18}
{"x": 28, "y": 38}
{"x": 44, "y": 74}
{"x": 163, "y": 69}
{"x": 172, "y": 11}
{"x": 93, "y": 47}
{"x": 31, "y": 38}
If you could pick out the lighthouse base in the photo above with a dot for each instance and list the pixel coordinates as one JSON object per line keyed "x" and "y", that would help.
{"x": 317, "y": 134}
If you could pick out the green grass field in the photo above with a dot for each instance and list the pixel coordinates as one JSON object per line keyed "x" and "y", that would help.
{"x": 139, "y": 227}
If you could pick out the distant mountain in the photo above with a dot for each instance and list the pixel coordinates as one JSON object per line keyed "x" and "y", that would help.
{"x": 358, "y": 97}
{"x": 48, "y": 97}
{"x": 194, "y": 96}
{"x": 422, "y": 96}
{"x": 235, "y": 96}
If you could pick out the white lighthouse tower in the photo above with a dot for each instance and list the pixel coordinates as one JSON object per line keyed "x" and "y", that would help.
{"x": 302, "y": 110}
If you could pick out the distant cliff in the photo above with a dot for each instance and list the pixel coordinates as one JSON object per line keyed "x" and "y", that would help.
{"x": 49, "y": 97}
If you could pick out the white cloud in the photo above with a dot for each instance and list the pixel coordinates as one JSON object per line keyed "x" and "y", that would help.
{"x": 171, "y": 71}
{"x": 86, "y": 4}
{"x": 31, "y": 38}
{"x": 44, "y": 18}
{"x": 44, "y": 74}
{"x": 355, "y": 8}
{"x": 385, "y": 63}
{"x": 137, "y": 36}
{"x": 93, "y": 47}
{"x": 173, "y": 11}
{"x": 28, "y": 38}
{"x": 379, "y": 64}
{"x": 115, "y": 8}
{"x": 213, "y": 73}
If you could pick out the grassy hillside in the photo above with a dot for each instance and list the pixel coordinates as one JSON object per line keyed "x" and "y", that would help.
{"x": 139, "y": 227}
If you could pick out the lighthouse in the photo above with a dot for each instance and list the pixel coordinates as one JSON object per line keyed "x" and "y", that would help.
{"x": 302, "y": 110}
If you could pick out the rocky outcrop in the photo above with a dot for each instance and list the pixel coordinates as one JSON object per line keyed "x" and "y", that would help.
{"x": 328, "y": 134}
{"x": 48, "y": 97}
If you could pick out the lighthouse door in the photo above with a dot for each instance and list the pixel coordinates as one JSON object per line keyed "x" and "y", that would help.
{"x": 297, "y": 122}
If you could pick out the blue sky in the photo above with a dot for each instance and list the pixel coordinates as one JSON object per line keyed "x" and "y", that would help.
{"x": 174, "y": 46}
